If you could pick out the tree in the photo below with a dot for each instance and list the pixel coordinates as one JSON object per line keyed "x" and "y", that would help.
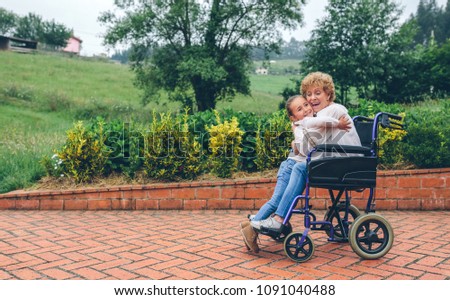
{"x": 406, "y": 75}
{"x": 29, "y": 27}
{"x": 7, "y": 21}
{"x": 440, "y": 69}
{"x": 200, "y": 49}
{"x": 55, "y": 35}
{"x": 445, "y": 21}
{"x": 432, "y": 22}
{"x": 350, "y": 44}
{"x": 50, "y": 33}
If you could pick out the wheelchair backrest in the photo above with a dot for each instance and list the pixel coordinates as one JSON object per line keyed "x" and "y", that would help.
{"x": 364, "y": 128}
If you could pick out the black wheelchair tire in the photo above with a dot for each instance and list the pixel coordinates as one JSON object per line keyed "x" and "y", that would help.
{"x": 365, "y": 233}
{"x": 353, "y": 212}
{"x": 298, "y": 253}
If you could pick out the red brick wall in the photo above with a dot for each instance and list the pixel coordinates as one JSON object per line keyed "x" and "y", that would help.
{"x": 404, "y": 190}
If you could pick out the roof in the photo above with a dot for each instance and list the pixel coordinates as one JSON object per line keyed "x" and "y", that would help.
{"x": 76, "y": 38}
{"x": 17, "y": 39}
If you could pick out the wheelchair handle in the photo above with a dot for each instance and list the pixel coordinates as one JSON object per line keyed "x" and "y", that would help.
{"x": 395, "y": 117}
{"x": 386, "y": 122}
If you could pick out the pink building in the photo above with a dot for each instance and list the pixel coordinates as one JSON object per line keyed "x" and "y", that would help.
{"x": 73, "y": 45}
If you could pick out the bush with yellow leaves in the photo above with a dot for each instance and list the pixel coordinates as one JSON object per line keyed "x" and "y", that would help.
{"x": 225, "y": 146}
{"x": 171, "y": 151}
{"x": 388, "y": 142}
{"x": 84, "y": 155}
{"x": 273, "y": 140}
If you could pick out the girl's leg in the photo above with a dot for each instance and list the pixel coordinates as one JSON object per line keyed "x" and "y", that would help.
{"x": 295, "y": 187}
{"x": 284, "y": 173}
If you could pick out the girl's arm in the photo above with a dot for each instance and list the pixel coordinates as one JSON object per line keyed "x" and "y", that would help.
{"x": 326, "y": 122}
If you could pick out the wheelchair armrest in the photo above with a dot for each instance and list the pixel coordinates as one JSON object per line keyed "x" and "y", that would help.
{"x": 343, "y": 149}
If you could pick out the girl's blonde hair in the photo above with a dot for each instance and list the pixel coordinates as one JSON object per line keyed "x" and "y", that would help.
{"x": 319, "y": 79}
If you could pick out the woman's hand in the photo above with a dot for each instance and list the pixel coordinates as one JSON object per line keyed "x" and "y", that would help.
{"x": 344, "y": 123}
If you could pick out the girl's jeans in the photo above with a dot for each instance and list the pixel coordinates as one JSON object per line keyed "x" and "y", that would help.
{"x": 295, "y": 187}
{"x": 291, "y": 179}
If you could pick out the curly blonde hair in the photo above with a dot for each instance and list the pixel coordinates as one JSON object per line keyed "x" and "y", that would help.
{"x": 318, "y": 79}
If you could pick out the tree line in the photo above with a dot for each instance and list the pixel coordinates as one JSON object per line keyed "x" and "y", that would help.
{"x": 292, "y": 49}
{"x": 32, "y": 27}
{"x": 200, "y": 52}
{"x": 360, "y": 44}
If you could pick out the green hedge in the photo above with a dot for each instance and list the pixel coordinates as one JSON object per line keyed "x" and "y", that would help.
{"x": 174, "y": 147}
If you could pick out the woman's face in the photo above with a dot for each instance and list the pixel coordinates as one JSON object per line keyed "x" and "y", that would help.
{"x": 300, "y": 109}
{"x": 318, "y": 98}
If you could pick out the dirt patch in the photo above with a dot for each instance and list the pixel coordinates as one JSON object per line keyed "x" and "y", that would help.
{"x": 64, "y": 183}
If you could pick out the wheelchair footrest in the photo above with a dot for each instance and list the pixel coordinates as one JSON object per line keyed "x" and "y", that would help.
{"x": 272, "y": 233}
{"x": 338, "y": 240}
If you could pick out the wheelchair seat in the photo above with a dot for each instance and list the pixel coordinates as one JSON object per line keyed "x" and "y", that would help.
{"x": 353, "y": 172}
{"x": 347, "y": 172}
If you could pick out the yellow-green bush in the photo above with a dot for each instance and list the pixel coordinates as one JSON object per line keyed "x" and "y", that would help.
{"x": 273, "y": 140}
{"x": 171, "y": 151}
{"x": 84, "y": 155}
{"x": 388, "y": 139}
{"x": 225, "y": 146}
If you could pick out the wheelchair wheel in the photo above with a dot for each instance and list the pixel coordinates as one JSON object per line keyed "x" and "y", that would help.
{"x": 297, "y": 252}
{"x": 353, "y": 213}
{"x": 371, "y": 236}
{"x": 286, "y": 231}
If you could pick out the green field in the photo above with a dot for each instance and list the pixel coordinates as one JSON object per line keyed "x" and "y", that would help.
{"x": 42, "y": 95}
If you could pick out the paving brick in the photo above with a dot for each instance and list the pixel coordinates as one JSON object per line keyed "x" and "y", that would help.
{"x": 57, "y": 274}
{"x": 202, "y": 245}
{"x": 26, "y": 274}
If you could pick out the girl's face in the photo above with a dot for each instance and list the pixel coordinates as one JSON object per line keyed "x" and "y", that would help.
{"x": 317, "y": 98}
{"x": 300, "y": 109}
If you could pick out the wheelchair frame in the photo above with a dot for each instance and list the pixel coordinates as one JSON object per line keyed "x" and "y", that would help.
{"x": 370, "y": 235}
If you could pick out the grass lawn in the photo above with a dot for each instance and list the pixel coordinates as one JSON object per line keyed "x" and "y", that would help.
{"x": 26, "y": 136}
{"x": 42, "y": 95}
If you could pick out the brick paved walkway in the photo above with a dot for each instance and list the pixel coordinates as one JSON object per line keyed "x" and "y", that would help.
{"x": 202, "y": 245}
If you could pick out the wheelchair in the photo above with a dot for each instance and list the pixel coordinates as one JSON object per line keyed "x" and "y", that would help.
{"x": 370, "y": 235}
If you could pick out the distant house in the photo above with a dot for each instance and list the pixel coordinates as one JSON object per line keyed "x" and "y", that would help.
{"x": 73, "y": 45}
{"x": 262, "y": 71}
{"x": 17, "y": 44}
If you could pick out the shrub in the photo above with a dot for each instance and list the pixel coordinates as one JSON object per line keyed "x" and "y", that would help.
{"x": 225, "y": 144}
{"x": 19, "y": 92}
{"x": 56, "y": 101}
{"x": 390, "y": 149}
{"x": 126, "y": 144}
{"x": 84, "y": 155}
{"x": 273, "y": 140}
{"x": 427, "y": 144}
{"x": 427, "y": 147}
{"x": 171, "y": 150}
{"x": 248, "y": 123}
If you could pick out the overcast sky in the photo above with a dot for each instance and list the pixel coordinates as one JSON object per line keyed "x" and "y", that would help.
{"x": 81, "y": 16}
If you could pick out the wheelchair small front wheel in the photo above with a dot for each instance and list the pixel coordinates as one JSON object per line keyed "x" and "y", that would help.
{"x": 371, "y": 236}
{"x": 298, "y": 252}
{"x": 353, "y": 213}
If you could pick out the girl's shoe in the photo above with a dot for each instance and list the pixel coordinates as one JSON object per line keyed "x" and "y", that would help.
{"x": 250, "y": 237}
{"x": 244, "y": 224}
